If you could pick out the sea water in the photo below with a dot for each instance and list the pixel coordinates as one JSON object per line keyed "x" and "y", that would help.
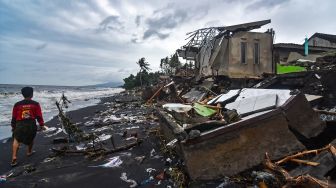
{"x": 47, "y": 96}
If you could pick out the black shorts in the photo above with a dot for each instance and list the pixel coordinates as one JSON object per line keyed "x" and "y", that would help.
{"x": 25, "y": 131}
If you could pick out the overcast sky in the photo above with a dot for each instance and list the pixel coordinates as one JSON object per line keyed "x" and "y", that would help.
{"x": 65, "y": 42}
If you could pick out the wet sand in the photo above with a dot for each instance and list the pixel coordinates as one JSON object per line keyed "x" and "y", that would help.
{"x": 46, "y": 169}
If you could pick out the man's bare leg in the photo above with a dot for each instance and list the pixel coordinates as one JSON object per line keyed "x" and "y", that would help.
{"x": 15, "y": 149}
{"x": 30, "y": 149}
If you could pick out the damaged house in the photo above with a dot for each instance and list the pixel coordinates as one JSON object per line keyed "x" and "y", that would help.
{"x": 318, "y": 43}
{"x": 229, "y": 133}
{"x": 233, "y": 51}
{"x": 322, "y": 40}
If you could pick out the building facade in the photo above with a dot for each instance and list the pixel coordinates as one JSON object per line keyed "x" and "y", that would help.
{"x": 232, "y": 51}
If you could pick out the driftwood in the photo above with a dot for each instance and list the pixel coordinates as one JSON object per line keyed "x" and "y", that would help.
{"x": 155, "y": 94}
{"x": 300, "y": 181}
{"x": 149, "y": 101}
{"x": 300, "y": 154}
{"x": 101, "y": 151}
{"x": 310, "y": 163}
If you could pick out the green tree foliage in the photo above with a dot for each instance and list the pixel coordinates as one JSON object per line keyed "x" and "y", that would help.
{"x": 144, "y": 67}
{"x": 130, "y": 82}
{"x": 143, "y": 77}
{"x": 148, "y": 78}
{"x": 143, "y": 64}
{"x": 169, "y": 65}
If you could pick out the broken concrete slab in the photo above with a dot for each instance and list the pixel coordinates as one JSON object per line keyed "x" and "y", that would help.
{"x": 314, "y": 100}
{"x": 231, "y": 149}
{"x": 297, "y": 112}
{"x": 228, "y": 149}
{"x": 194, "y": 96}
{"x": 311, "y": 98}
{"x": 224, "y": 97}
{"x": 253, "y": 104}
{"x": 282, "y": 94}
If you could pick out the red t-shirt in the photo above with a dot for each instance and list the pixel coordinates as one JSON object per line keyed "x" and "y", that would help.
{"x": 27, "y": 109}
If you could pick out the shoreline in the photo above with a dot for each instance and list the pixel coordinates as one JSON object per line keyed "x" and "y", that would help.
{"x": 7, "y": 128}
{"x": 47, "y": 169}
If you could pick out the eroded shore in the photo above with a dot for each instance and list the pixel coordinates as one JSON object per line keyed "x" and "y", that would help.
{"x": 121, "y": 116}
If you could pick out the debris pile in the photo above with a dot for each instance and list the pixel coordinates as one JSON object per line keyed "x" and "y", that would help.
{"x": 228, "y": 134}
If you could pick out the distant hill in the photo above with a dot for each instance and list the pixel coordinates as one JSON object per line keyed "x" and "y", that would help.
{"x": 108, "y": 84}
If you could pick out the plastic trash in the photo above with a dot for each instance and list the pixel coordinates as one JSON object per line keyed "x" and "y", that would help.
{"x": 177, "y": 107}
{"x": 3, "y": 179}
{"x": 150, "y": 170}
{"x": 172, "y": 143}
{"x": 147, "y": 181}
{"x": 81, "y": 147}
{"x": 152, "y": 153}
{"x": 226, "y": 183}
{"x": 203, "y": 110}
{"x": 124, "y": 178}
{"x": 168, "y": 161}
{"x": 46, "y": 160}
{"x": 49, "y": 129}
{"x": 103, "y": 137}
{"x": 140, "y": 159}
{"x": 59, "y": 130}
{"x": 5, "y": 141}
{"x": 114, "y": 162}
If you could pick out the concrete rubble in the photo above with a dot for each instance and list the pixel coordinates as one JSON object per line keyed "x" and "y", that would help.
{"x": 224, "y": 127}
{"x": 279, "y": 122}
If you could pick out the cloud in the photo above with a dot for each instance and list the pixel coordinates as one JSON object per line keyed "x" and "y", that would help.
{"x": 88, "y": 42}
{"x": 167, "y": 20}
{"x": 265, "y": 4}
{"x": 170, "y": 17}
{"x": 152, "y": 32}
{"x": 138, "y": 20}
{"x": 41, "y": 46}
{"x": 111, "y": 23}
{"x": 213, "y": 23}
{"x": 134, "y": 40}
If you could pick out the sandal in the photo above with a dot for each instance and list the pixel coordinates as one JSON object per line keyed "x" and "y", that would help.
{"x": 14, "y": 163}
{"x": 30, "y": 154}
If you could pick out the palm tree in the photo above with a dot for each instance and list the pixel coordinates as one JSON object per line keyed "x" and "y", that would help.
{"x": 144, "y": 67}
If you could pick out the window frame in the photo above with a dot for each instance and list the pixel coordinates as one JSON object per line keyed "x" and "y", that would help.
{"x": 256, "y": 60}
{"x": 243, "y": 56}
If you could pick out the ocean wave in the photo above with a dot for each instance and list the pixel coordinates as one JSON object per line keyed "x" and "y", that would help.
{"x": 80, "y": 97}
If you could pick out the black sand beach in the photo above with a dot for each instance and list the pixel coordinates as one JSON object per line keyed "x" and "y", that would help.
{"x": 47, "y": 169}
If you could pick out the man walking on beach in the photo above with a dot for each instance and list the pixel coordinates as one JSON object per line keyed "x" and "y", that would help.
{"x": 24, "y": 116}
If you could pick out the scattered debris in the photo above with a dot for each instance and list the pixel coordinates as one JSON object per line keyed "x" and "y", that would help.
{"x": 46, "y": 160}
{"x": 5, "y": 140}
{"x": 132, "y": 182}
{"x": 177, "y": 107}
{"x": 113, "y": 162}
{"x": 60, "y": 140}
{"x": 3, "y": 179}
{"x": 140, "y": 159}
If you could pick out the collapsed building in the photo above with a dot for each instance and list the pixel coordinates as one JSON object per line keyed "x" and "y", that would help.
{"x": 227, "y": 131}
{"x": 232, "y": 51}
